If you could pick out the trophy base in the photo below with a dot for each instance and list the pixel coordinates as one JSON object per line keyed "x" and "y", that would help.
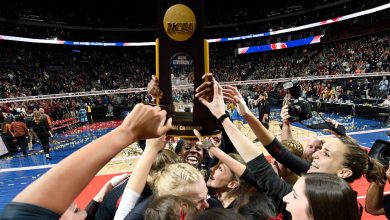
{"x": 183, "y": 126}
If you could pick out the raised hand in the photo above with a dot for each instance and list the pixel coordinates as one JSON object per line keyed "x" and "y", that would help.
{"x": 231, "y": 94}
{"x": 145, "y": 122}
{"x": 335, "y": 127}
{"x": 157, "y": 144}
{"x": 206, "y": 143}
{"x": 154, "y": 89}
{"x": 206, "y": 88}
{"x": 217, "y": 105}
{"x": 284, "y": 113}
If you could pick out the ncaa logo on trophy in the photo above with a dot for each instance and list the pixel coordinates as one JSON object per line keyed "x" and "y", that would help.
{"x": 182, "y": 57}
{"x": 179, "y": 22}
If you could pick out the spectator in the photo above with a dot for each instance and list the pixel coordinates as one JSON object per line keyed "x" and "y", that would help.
{"x": 41, "y": 128}
{"x": 48, "y": 118}
{"x": 237, "y": 119}
{"x": 386, "y": 102}
{"x": 313, "y": 145}
{"x": 264, "y": 109}
{"x": 7, "y": 134}
{"x": 19, "y": 131}
{"x": 383, "y": 87}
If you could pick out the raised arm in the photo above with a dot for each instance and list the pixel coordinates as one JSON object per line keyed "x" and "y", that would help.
{"x": 236, "y": 167}
{"x": 244, "y": 146}
{"x": 374, "y": 201}
{"x": 137, "y": 181}
{"x": 264, "y": 136}
{"x": 267, "y": 180}
{"x": 271, "y": 144}
{"x": 286, "y": 125}
{"x": 59, "y": 186}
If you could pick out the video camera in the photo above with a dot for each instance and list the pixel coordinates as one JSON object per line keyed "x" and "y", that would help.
{"x": 299, "y": 109}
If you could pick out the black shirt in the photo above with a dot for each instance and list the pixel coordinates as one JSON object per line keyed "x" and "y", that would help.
{"x": 288, "y": 159}
{"x": 24, "y": 211}
{"x": 268, "y": 181}
{"x": 263, "y": 108}
{"x": 110, "y": 202}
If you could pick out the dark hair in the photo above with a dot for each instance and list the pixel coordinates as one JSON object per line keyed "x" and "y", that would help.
{"x": 219, "y": 214}
{"x": 19, "y": 118}
{"x": 170, "y": 207}
{"x": 330, "y": 197}
{"x": 256, "y": 207}
{"x": 179, "y": 146}
{"x": 357, "y": 160}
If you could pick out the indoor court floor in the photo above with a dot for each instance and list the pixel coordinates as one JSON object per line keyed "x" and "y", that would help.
{"x": 17, "y": 172}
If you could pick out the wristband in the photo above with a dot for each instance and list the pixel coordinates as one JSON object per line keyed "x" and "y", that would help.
{"x": 222, "y": 118}
{"x": 242, "y": 107}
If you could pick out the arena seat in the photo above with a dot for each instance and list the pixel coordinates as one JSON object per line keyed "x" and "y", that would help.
{"x": 65, "y": 124}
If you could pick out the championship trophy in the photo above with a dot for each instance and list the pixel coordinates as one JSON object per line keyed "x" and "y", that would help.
{"x": 182, "y": 57}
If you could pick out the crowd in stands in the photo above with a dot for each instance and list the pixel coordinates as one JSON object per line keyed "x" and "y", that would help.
{"x": 361, "y": 55}
{"x": 27, "y": 72}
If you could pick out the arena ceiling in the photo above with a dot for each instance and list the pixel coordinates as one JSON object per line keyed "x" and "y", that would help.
{"x": 119, "y": 13}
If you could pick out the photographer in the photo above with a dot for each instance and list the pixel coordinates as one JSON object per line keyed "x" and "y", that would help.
{"x": 313, "y": 145}
{"x": 386, "y": 102}
{"x": 376, "y": 202}
{"x": 264, "y": 109}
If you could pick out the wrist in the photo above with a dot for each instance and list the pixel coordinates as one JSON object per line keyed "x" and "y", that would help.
{"x": 152, "y": 149}
{"x": 242, "y": 107}
{"x": 222, "y": 118}
{"x": 286, "y": 121}
{"x": 219, "y": 114}
{"x": 380, "y": 184}
{"x": 123, "y": 136}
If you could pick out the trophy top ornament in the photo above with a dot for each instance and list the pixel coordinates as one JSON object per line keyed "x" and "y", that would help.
{"x": 179, "y": 22}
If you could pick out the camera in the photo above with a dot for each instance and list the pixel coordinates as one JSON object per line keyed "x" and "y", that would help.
{"x": 299, "y": 109}
{"x": 380, "y": 151}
